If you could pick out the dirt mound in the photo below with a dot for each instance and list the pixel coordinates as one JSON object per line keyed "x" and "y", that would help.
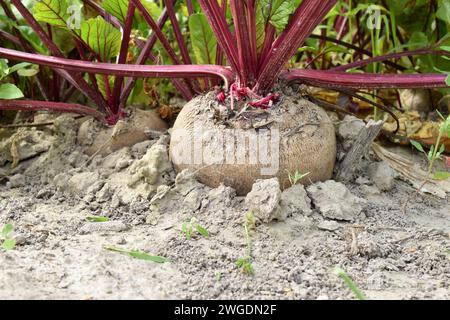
{"x": 61, "y": 254}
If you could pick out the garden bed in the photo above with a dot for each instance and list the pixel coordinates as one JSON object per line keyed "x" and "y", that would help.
{"x": 60, "y": 254}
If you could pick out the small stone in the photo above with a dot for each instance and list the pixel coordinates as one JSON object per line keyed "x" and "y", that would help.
{"x": 382, "y": 175}
{"x": 335, "y": 201}
{"x": 122, "y": 241}
{"x": 329, "y": 225}
{"x": 193, "y": 200}
{"x": 17, "y": 180}
{"x": 20, "y": 239}
{"x": 264, "y": 200}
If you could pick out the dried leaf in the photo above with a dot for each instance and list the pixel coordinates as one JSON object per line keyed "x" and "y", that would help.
{"x": 165, "y": 112}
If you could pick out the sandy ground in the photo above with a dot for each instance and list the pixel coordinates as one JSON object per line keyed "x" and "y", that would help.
{"x": 60, "y": 255}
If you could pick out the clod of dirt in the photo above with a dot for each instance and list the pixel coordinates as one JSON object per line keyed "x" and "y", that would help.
{"x": 186, "y": 196}
{"x": 295, "y": 201}
{"x": 78, "y": 184}
{"x": 61, "y": 156}
{"x": 335, "y": 201}
{"x": 118, "y": 160}
{"x": 382, "y": 175}
{"x": 221, "y": 197}
{"x": 151, "y": 167}
{"x": 103, "y": 227}
{"x": 348, "y": 130}
{"x": 264, "y": 200}
{"x": 185, "y": 182}
{"x": 139, "y": 149}
{"x": 105, "y": 193}
{"x": 216, "y": 148}
{"x": 134, "y": 176}
{"x": 140, "y": 126}
{"x": 17, "y": 180}
{"x": 24, "y": 144}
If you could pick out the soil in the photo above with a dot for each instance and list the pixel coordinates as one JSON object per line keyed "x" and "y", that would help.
{"x": 61, "y": 255}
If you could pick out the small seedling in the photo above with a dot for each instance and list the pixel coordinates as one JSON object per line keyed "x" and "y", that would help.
{"x": 188, "y": 229}
{"x": 97, "y": 219}
{"x": 436, "y": 150}
{"x": 349, "y": 282}
{"x": 8, "y": 243}
{"x": 138, "y": 254}
{"x": 294, "y": 178}
{"x": 433, "y": 154}
{"x": 218, "y": 275}
{"x": 245, "y": 263}
{"x": 250, "y": 220}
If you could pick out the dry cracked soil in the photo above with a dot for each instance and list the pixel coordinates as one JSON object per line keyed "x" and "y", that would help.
{"x": 299, "y": 237}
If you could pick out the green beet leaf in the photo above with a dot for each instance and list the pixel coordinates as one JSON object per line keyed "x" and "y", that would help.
{"x": 101, "y": 37}
{"x": 8, "y": 91}
{"x": 53, "y": 12}
{"x": 203, "y": 40}
{"x": 118, "y": 8}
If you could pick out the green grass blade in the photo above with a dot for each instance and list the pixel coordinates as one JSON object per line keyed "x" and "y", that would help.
{"x": 9, "y": 244}
{"x": 349, "y": 282}
{"x": 138, "y": 254}
{"x": 202, "y": 230}
{"x": 97, "y": 219}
